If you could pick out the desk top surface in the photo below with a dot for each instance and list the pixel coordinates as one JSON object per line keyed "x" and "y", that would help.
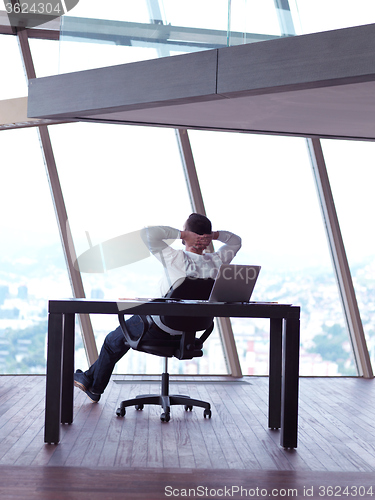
{"x": 174, "y": 308}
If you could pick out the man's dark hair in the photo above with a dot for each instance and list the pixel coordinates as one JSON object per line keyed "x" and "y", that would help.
{"x": 198, "y": 224}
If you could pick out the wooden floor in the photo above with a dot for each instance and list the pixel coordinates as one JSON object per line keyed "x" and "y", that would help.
{"x": 100, "y": 452}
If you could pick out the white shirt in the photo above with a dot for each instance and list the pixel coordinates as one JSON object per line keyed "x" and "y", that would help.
{"x": 179, "y": 264}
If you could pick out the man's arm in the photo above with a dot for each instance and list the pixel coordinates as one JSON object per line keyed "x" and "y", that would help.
{"x": 232, "y": 243}
{"x": 154, "y": 237}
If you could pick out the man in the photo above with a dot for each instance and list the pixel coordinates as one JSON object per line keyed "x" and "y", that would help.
{"x": 196, "y": 235}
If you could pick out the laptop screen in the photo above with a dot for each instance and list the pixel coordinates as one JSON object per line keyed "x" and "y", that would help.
{"x": 234, "y": 283}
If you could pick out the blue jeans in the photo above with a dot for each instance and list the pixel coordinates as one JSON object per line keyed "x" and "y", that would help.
{"x": 114, "y": 348}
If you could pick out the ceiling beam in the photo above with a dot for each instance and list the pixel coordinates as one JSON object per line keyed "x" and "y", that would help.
{"x": 316, "y": 85}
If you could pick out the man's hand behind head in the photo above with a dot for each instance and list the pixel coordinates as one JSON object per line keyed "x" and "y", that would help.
{"x": 196, "y": 242}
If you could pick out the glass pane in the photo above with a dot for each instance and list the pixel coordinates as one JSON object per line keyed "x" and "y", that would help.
{"x": 12, "y": 82}
{"x": 45, "y": 56}
{"x": 320, "y": 15}
{"x": 262, "y": 188}
{"x": 252, "y": 17}
{"x": 32, "y": 267}
{"x": 89, "y": 50}
{"x": 350, "y": 166}
{"x": 119, "y": 10}
{"x": 146, "y": 30}
{"x": 209, "y": 14}
{"x": 116, "y": 180}
{"x": 98, "y": 36}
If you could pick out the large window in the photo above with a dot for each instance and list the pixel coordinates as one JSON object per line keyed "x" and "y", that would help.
{"x": 117, "y": 180}
{"x": 32, "y": 267}
{"x": 351, "y": 169}
{"x": 262, "y": 189}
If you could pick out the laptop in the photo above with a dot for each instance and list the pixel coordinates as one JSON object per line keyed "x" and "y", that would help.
{"x": 234, "y": 283}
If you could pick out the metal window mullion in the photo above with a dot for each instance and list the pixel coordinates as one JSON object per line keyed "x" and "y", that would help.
{"x": 60, "y": 210}
{"x": 196, "y": 199}
{"x": 340, "y": 261}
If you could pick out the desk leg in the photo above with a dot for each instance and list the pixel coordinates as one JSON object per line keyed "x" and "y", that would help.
{"x": 289, "y": 393}
{"x": 53, "y": 379}
{"x": 67, "y": 392}
{"x": 274, "y": 397}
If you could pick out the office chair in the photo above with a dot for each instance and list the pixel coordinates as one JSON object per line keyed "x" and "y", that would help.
{"x": 186, "y": 346}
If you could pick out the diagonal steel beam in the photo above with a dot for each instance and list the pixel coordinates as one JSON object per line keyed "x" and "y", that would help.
{"x": 60, "y": 209}
{"x": 340, "y": 261}
{"x": 196, "y": 199}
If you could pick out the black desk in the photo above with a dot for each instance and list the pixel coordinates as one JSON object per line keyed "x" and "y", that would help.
{"x": 283, "y": 368}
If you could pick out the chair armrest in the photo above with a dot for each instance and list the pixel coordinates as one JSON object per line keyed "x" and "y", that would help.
{"x": 132, "y": 341}
{"x": 190, "y": 346}
{"x": 187, "y": 346}
{"x": 206, "y": 333}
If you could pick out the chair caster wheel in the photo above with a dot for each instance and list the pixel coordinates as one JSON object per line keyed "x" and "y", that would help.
{"x": 207, "y": 413}
{"x": 165, "y": 417}
{"x": 120, "y": 412}
{"x": 139, "y": 407}
{"x": 188, "y": 407}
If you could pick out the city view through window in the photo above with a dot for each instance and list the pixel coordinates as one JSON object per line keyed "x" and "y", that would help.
{"x": 119, "y": 179}
{"x": 33, "y": 268}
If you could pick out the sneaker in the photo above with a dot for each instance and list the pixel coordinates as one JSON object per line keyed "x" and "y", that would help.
{"x": 81, "y": 381}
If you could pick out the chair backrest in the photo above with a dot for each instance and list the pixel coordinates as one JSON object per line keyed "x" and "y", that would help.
{"x": 190, "y": 289}
{"x": 186, "y": 346}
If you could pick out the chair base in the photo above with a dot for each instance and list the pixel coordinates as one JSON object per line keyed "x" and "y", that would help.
{"x": 165, "y": 401}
